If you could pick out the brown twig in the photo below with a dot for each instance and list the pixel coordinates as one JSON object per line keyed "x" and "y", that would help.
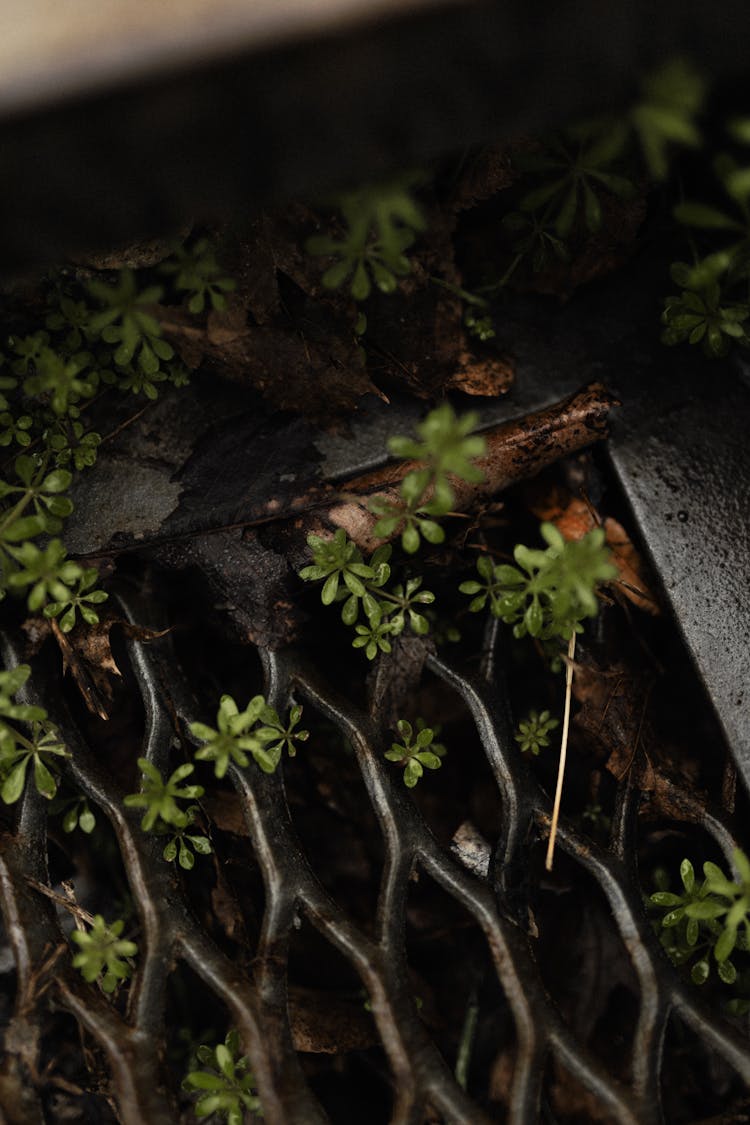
{"x": 515, "y": 451}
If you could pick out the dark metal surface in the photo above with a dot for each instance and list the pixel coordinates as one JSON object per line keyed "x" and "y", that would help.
{"x": 257, "y": 998}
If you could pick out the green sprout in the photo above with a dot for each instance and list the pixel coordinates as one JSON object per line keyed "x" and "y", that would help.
{"x": 574, "y": 167}
{"x": 533, "y": 731}
{"x": 16, "y": 429}
{"x": 381, "y": 223}
{"x": 49, "y": 573}
{"x": 125, "y": 321}
{"x": 232, "y": 739}
{"x": 275, "y": 737}
{"x": 707, "y": 920}
{"x": 182, "y": 843}
{"x": 160, "y": 798}
{"x": 416, "y": 751}
{"x": 534, "y": 239}
{"x": 63, "y": 379}
{"x": 700, "y": 316}
{"x": 74, "y": 446}
{"x": 550, "y": 592}
{"x": 41, "y": 490}
{"x": 37, "y": 746}
{"x": 225, "y": 1086}
{"x": 335, "y": 560}
{"x": 196, "y": 272}
{"x": 446, "y": 447}
{"x": 713, "y": 306}
{"x": 102, "y": 954}
{"x": 77, "y": 813}
{"x": 387, "y": 611}
{"x": 238, "y": 734}
{"x": 671, "y": 99}
{"x": 81, "y": 599}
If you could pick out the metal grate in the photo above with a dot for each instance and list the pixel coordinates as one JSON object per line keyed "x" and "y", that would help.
{"x": 134, "y": 1039}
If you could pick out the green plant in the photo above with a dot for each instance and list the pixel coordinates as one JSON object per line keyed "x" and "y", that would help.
{"x": 715, "y": 299}
{"x": 387, "y": 611}
{"x": 47, "y": 571}
{"x": 381, "y": 222}
{"x": 160, "y": 798}
{"x": 77, "y": 813}
{"x": 275, "y": 737}
{"x": 708, "y": 918}
{"x": 575, "y": 167}
{"x": 40, "y": 489}
{"x": 550, "y": 592}
{"x": 81, "y": 599}
{"x": 39, "y": 746}
{"x": 196, "y": 272}
{"x": 257, "y": 731}
{"x": 565, "y": 179}
{"x": 102, "y": 953}
{"x": 126, "y": 322}
{"x": 671, "y": 99}
{"x": 533, "y": 732}
{"x": 416, "y": 751}
{"x": 699, "y": 316}
{"x": 225, "y": 1085}
{"x": 445, "y": 447}
{"x": 182, "y": 843}
{"x": 49, "y": 377}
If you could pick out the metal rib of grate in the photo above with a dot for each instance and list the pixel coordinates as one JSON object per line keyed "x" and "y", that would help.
{"x": 134, "y": 1039}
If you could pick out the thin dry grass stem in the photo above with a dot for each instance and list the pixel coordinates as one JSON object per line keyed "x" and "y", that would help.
{"x": 563, "y": 753}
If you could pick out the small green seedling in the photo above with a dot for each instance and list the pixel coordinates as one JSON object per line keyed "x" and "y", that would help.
{"x": 550, "y": 592}
{"x": 416, "y": 752}
{"x": 574, "y": 168}
{"x": 447, "y": 448}
{"x": 77, "y": 813}
{"x": 381, "y": 223}
{"x": 700, "y": 315}
{"x": 102, "y": 954}
{"x": 182, "y": 843}
{"x": 257, "y": 731}
{"x": 197, "y": 273}
{"x": 81, "y": 600}
{"x": 127, "y": 323}
{"x": 708, "y": 920}
{"x": 225, "y": 1086}
{"x": 161, "y": 798}
{"x": 533, "y": 732}
{"x": 363, "y": 589}
{"x": 39, "y": 748}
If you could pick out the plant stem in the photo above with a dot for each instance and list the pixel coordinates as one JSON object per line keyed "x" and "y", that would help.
{"x": 563, "y": 754}
{"x": 466, "y": 1043}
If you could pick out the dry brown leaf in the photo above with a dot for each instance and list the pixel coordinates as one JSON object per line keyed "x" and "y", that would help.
{"x": 487, "y": 376}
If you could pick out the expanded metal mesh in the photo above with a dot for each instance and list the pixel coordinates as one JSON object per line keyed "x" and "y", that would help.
{"x": 134, "y": 1037}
